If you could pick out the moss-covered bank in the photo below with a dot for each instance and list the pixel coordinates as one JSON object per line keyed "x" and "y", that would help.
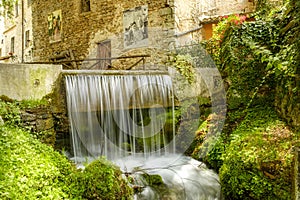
{"x": 30, "y": 169}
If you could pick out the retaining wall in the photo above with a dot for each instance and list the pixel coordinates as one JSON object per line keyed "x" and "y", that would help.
{"x": 24, "y": 81}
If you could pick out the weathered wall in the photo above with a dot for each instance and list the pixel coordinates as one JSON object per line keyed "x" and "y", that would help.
{"x": 190, "y": 15}
{"x": 81, "y": 31}
{"x": 234, "y": 6}
{"x": 23, "y": 81}
{"x": 41, "y": 122}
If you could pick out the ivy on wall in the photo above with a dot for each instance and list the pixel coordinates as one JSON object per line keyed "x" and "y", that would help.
{"x": 259, "y": 61}
{"x": 255, "y": 56}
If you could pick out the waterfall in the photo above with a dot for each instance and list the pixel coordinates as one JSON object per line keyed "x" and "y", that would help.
{"x": 130, "y": 119}
{"x": 121, "y": 115}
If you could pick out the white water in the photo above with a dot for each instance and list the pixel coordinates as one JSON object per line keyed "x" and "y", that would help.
{"x": 185, "y": 178}
{"x": 124, "y": 118}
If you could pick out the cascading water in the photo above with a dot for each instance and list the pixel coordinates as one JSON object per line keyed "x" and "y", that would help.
{"x": 113, "y": 116}
{"x": 130, "y": 120}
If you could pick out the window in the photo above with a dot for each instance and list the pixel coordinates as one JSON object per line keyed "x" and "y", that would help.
{"x": 12, "y": 45}
{"x": 85, "y": 5}
{"x": 27, "y": 40}
{"x": 104, "y": 51}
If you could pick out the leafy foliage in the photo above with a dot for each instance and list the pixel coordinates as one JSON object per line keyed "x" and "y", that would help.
{"x": 225, "y": 23}
{"x": 257, "y": 60}
{"x": 10, "y": 112}
{"x": 255, "y": 56}
{"x": 183, "y": 63}
{"x": 30, "y": 169}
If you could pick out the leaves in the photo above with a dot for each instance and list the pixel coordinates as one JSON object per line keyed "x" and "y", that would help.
{"x": 258, "y": 59}
{"x": 184, "y": 65}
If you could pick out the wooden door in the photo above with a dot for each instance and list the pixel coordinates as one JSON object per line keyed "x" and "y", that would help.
{"x": 104, "y": 52}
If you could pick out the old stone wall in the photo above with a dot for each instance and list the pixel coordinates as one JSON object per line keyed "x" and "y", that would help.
{"x": 59, "y": 112}
{"x": 82, "y": 31}
{"x": 40, "y": 123}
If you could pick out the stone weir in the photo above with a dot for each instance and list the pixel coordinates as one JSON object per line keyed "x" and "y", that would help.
{"x": 119, "y": 89}
{"x": 114, "y": 72}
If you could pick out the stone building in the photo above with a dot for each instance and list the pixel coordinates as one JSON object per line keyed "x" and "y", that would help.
{"x": 17, "y": 34}
{"x": 81, "y": 30}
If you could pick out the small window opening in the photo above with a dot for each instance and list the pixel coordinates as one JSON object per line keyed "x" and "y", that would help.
{"x": 85, "y": 5}
{"x": 12, "y": 45}
{"x": 27, "y": 40}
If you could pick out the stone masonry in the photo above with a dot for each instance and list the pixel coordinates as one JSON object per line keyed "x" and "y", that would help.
{"x": 82, "y": 31}
{"x": 170, "y": 23}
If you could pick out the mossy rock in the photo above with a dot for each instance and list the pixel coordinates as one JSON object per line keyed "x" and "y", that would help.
{"x": 153, "y": 180}
{"x": 101, "y": 180}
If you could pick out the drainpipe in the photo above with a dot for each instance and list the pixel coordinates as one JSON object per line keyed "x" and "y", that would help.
{"x": 22, "y": 30}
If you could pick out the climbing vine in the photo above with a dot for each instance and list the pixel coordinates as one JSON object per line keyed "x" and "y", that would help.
{"x": 183, "y": 64}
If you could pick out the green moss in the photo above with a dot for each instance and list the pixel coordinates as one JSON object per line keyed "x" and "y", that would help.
{"x": 27, "y": 104}
{"x": 153, "y": 180}
{"x": 32, "y": 170}
{"x": 258, "y": 161}
{"x": 100, "y": 180}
